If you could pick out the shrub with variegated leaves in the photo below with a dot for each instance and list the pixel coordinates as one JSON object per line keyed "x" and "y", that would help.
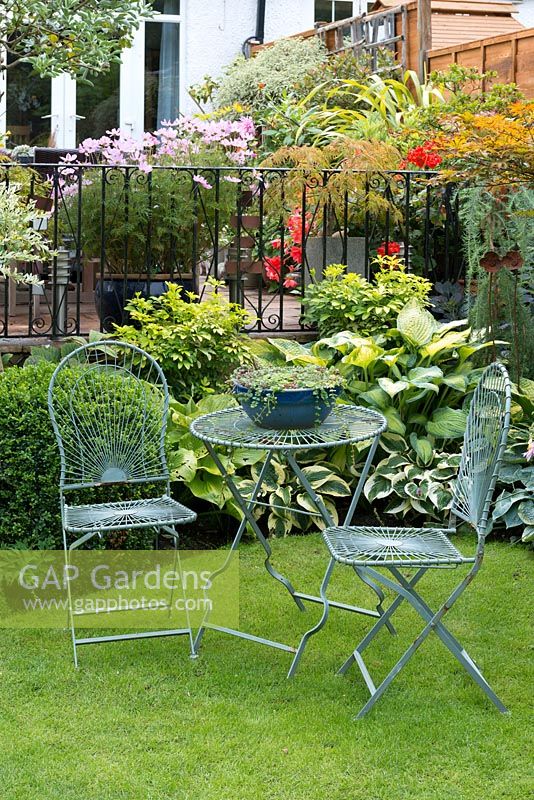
{"x": 420, "y": 375}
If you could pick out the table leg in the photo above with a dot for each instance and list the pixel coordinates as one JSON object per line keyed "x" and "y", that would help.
{"x": 316, "y": 499}
{"x": 246, "y": 507}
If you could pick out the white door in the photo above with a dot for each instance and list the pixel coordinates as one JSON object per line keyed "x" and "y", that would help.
{"x": 136, "y": 95}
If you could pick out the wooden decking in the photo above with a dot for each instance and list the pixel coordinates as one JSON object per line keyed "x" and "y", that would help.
{"x": 276, "y": 314}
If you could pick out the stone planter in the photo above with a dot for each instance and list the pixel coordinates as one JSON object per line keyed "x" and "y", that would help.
{"x": 334, "y": 254}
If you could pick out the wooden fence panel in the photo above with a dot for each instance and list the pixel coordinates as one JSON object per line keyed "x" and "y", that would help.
{"x": 510, "y": 55}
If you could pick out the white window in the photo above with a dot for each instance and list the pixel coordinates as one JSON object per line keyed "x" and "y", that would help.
{"x": 334, "y": 10}
{"x": 137, "y": 94}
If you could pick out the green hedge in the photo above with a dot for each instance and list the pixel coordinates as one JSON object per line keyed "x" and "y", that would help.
{"x": 30, "y": 468}
{"x": 29, "y": 460}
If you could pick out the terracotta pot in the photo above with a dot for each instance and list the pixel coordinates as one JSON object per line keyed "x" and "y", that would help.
{"x": 250, "y": 267}
{"x": 43, "y": 203}
{"x": 249, "y": 222}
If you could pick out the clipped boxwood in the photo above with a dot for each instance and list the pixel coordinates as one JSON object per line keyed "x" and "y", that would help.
{"x": 30, "y": 468}
{"x": 29, "y": 460}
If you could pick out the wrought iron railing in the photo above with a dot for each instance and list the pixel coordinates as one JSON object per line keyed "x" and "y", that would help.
{"x": 126, "y": 230}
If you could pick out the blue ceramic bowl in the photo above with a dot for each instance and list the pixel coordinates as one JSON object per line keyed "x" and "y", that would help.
{"x": 290, "y": 408}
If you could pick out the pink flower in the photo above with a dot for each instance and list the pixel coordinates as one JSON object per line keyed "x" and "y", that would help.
{"x": 276, "y": 244}
{"x": 529, "y": 454}
{"x": 202, "y": 181}
{"x": 144, "y": 166}
{"x": 231, "y": 179}
{"x": 290, "y": 283}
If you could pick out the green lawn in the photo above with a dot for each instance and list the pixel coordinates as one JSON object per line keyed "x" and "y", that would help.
{"x": 141, "y": 721}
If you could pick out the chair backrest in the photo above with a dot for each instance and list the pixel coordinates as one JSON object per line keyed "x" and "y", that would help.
{"x": 484, "y": 442}
{"x": 108, "y": 402}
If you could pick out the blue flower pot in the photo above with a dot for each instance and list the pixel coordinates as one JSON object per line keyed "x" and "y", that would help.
{"x": 287, "y": 409}
{"x": 111, "y": 297}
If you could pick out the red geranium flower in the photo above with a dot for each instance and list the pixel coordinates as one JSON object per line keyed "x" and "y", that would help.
{"x": 424, "y": 156}
{"x": 389, "y": 249}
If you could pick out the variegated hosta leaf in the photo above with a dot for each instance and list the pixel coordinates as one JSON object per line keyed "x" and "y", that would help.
{"x": 282, "y": 496}
{"x": 332, "y": 510}
{"x": 393, "y": 443}
{"x": 423, "y": 448}
{"x": 183, "y": 465}
{"x": 441, "y": 498}
{"x": 295, "y": 352}
{"x": 343, "y": 342}
{"x": 416, "y": 324}
{"x": 365, "y": 353}
{"x": 377, "y": 486}
{"x": 392, "y": 387}
{"x": 525, "y": 511}
{"x": 280, "y": 526}
{"x": 336, "y": 487}
{"x": 528, "y": 534}
{"x": 274, "y": 475}
{"x": 317, "y": 475}
{"x": 450, "y": 341}
{"x": 423, "y": 375}
{"x": 447, "y": 423}
{"x": 417, "y": 491}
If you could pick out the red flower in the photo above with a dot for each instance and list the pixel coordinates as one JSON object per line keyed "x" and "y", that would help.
{"x": 276, "y": 244}
{"x": 424, "y": 156}
{"x": 389, "y": 249}
{"x": 296, "y": 253}
{"x": 290, "y": 283}
{"x": 272, "y": 268}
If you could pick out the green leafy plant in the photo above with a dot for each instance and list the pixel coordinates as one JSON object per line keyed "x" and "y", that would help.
{"x": 197, "y": 344}
{"x": 274, "y": 69}
{"x": 343, "y": 301}
{"x": 19, "y": 241}
{"x": 514, "y": 506}
{"x": 74, "y": 36}
{"x": 417, "y": 482}
{"x": 29, "y": 479}
{"x": 194, "y": 472}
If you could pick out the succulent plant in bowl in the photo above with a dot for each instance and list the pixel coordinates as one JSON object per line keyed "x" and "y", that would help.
{"x": 287, "y": 397}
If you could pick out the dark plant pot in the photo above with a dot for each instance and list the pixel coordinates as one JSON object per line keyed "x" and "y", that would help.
{"x": 285, "y": 410}
{"x": 111, "y": 296}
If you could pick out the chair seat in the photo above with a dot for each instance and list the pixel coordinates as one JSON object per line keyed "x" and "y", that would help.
{"x": 392, "y": 547}
{"x": 156, "y": 511}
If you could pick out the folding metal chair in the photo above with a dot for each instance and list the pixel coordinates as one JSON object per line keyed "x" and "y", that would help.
{"x": 421, "y": 549}
{"x": 108, "y": 402}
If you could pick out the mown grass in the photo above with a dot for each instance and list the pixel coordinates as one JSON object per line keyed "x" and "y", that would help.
{"x": 141, "y": 721}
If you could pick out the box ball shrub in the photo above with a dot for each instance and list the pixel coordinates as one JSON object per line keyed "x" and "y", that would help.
{"x": 29, "y": 460}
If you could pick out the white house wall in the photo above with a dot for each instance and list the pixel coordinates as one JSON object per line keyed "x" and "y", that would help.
{"x": 213, "y": 33}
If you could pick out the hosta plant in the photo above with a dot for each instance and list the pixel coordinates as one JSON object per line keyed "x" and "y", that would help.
{"x": 420, "y": 374}
{"x": 515, "y": 504}
{"x": 194, "y": 472}
{"x": 419, "y": 481}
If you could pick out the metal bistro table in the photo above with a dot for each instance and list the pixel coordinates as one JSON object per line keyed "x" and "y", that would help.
{"x": 232, "y": 428}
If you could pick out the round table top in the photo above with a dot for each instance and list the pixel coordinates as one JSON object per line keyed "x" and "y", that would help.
{"x": 345, "y": 425}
